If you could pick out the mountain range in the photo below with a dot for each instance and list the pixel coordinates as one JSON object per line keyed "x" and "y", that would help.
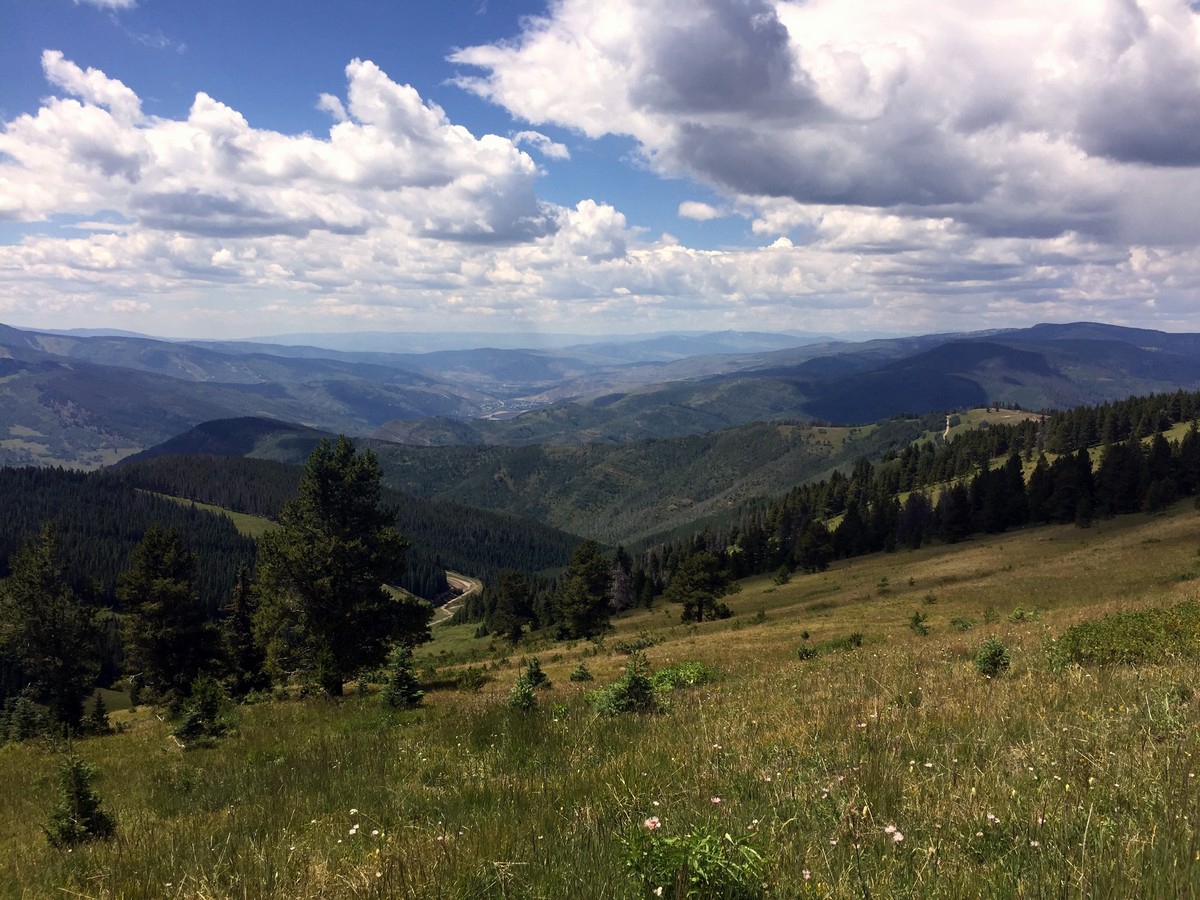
{"x": 89, "y": 400}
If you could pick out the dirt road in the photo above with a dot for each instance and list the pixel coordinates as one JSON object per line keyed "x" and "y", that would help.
{"x": 465, "y": 587}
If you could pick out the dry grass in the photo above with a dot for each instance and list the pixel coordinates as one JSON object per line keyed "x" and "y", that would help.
{"x": 1035, "y": 783}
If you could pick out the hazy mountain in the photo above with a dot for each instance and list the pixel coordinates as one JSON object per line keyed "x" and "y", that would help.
{"x": 88, "y": 400}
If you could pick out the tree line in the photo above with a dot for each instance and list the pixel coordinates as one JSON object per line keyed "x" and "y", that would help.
{"x": 317, "y": 610}
{"x": 927, "y": 491}
{"x": 442, "y": 535}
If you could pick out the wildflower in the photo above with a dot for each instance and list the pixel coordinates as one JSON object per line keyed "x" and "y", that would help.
{"x": 1034, "y": 844}
{"x": 715, "y": 800}
{"x": 897, "y": 838}
{"x": 833, "y": 842}
{"x": 807, "y": 874}
{"x": 891, "y": 829}
{"x": 652, "y": 823}
{"x": 658, "y": 891}
{"x": 374, "y": 832}
{"x": 354, "y": 812}
{"x": 929, "y": 765}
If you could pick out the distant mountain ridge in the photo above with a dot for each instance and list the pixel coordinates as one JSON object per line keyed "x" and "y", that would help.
{"x": 86, "y": 401}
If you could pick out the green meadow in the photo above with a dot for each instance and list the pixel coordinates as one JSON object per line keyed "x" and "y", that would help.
{"x": 848, "y": 747}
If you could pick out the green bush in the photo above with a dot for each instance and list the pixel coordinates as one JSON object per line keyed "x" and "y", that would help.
{"x": 77, "y": 817}
{"x": 402, "y": 690}
{"x": 684, "y": 674}
{"x": 634, "y": 692}
{"x": 206, "y": 714}
{"x": 534, "y": 674}
{"x": 707, "y": 863}
{"x": 917, "y": 623}
{"x": 1145, "y": 636}
{"x": 992, "y": 658}
{"x": 581, "y": 673}
{"x": 846, "y": 642}
{"x": 522, "y": 696}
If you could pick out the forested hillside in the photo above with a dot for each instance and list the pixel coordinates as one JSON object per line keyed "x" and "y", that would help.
{"x": 101, "y": 520}
{"x": 442, "y": 535}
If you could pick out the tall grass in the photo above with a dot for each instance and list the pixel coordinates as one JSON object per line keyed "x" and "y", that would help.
{"x": 894, "y": 770}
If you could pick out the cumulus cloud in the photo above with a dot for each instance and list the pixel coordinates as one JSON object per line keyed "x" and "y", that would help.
{"x": 901, "y": 171}
{"x": 542, "y": 144}
{"x": 700, "y": 212}
{"x": 391, "y": 159}
{"x": 1023, "y": 118}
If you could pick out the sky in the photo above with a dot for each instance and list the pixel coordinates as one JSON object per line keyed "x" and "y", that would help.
{"x": 234, "y": 169}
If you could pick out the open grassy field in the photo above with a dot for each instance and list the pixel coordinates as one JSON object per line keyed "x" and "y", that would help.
{"x": 893, "y": 769}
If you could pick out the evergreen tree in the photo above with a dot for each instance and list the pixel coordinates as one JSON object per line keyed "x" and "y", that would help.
{"x": 814, "y": 550}
{"x": 242, "y": 652}
{"x": 78, "y": 817}
{"x": 402, "y": 690}
{"x": 324, "y": 610}
{"x": 514, "y": 606}
{"x": 46, "y": 631}
{"x": 169, "y": 640}
{"x": 698, "y": 585}
{"x": 583, "y": 599}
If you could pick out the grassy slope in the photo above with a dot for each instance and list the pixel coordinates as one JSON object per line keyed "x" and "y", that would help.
{"x": 1089, "y": 775}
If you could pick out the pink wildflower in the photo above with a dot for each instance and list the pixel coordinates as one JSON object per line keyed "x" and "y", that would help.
{"x": 652, "y": 823}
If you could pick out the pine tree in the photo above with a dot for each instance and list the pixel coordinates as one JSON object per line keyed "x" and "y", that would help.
{"x": 78, "y": 817}
{"x": 47, "y": 631}
{"x": 324, "y": 611}
{"x": 245, "y": 657}
{"x": 698, "y": 585}
{"x": 583, "y": 601}
{"x": 169, "y": 641}
{"x": 402, "y": 690}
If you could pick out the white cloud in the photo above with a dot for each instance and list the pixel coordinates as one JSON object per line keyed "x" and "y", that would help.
{"x": 92, "y": 86}
{"x": 1019, "y": 118}
{"x": 544, "y": 145}
{"x": 700, "y": 212}
{"x": 108, "y": 4}
{"x": 926, "y": 174}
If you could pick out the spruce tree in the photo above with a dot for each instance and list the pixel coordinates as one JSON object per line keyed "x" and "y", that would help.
{"x": 242, "y": 652}
{"x": 583, "y": 600}
{"x": 402, "y": 690}
{"x": 169, "y": 641}
{"x": 324, "y": 612}
{"x": 78, "y": 816}
{"x": 47, "y": 631}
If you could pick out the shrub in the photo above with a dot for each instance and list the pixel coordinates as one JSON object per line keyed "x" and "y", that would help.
{"x": 471, "y": 678}
{"x": 992, "y": 658}
{"x": 22, "y": 719}
{"x": 961, "y": 623}
{"x": 581, "y": 673}
{"x": 684, "y": 674}
{"x": 1144, "y": 636}
{"x": 206, "y": 713}
{"x": 522, "y": 696}
{"x": 633, "y": 693}
{"x": 402, "y": 691}
{"x": 917, "y": 623}
{"x": 700, "y": 863}
{"x": 536, "y": 677}
{"x": 77, "y": 817}
{"x": 97, "y": 720}
{"x": 846, "y": 642}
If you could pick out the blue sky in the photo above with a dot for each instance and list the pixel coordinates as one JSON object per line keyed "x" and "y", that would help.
{"x": 234, "y": 169}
